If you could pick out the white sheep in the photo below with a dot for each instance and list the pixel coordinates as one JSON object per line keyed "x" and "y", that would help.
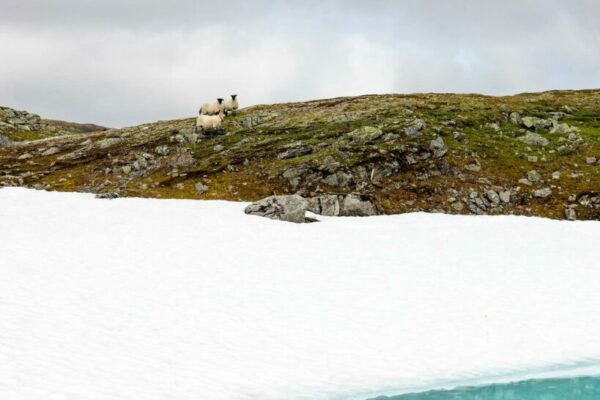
{"x": 209, "y": 122}
{"x": 211, "y": 109}
{"x": 231, "y": 106}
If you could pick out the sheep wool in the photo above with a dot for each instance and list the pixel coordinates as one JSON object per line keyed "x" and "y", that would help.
{"x": 209, "y": 122}
{"x": 211, "y": 109}
{"x": 231, "y": 106}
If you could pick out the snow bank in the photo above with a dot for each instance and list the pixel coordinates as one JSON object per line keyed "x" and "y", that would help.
{"x": 155, "y": 299}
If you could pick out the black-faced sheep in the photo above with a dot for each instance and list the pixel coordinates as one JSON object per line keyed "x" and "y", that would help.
{"x": 211, "y": 109}
{"x": 231, "y": 106}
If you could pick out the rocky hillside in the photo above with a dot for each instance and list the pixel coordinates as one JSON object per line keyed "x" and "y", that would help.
{"x": 530, "y": 154}
{"x": 17, "y": 126}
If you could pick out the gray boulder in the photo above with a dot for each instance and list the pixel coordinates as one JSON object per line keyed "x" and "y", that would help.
{"x": 4, "y": 141}
{"x": 365, "y": 134}
{"x": 515, "y": 118}
{"x": 354, "y": 205}
{"x": 294, "y": 175}
{"x": 201, "y": 188}
{"x": 329, "y": 164}
{"x": 563, "y": 129}
{"x": 534, "y": 176}
{"x": 438, "y": 146}
{"x": 537, "y": 123}
{"x": 570, "y": 214}
{"x": 505, "y": 196}
{"x": 415, "y": 127}
{"x": 565, "y": 150}
{"x": 339, "y": 179}
{"x": 542, "y": 193}
{"x": 327, "y": 205}
{"x": 290, "y": 208}
{"x": 493, "y": 197}
{"x": 534, "y": 139}
{"x": 349, "y": 205}
{"x": 182, "y": 160}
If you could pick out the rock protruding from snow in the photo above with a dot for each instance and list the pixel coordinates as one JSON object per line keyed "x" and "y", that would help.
{"x": 291, "y": 208}
{"x": 350, "y": 205}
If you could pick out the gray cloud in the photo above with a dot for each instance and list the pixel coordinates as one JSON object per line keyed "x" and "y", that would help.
{"x": 119, "y": 63}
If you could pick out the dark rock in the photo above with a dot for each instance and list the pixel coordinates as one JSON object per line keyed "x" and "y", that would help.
{"x": 339, "y": 179}
{"x": 108, "y": 196}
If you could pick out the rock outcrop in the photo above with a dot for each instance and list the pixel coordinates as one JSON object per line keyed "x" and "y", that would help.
{"x": 284, "y": 208}
{"x": 350, "y": 205}
{"x": 19, "y": 120}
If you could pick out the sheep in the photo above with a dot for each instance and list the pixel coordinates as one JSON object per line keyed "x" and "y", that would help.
{"x": 211, "y": 109}
{"x": 231, "y": 106}
{"x": 209, "y": 122}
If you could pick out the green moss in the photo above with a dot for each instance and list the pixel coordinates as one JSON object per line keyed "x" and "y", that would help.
{"x": 21, "y": 136}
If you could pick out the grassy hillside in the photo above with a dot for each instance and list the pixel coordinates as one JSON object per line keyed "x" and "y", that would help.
{"x": 530, "y": 154}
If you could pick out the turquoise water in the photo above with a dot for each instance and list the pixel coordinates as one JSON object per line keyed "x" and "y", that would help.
{"x": 545, "y": 389}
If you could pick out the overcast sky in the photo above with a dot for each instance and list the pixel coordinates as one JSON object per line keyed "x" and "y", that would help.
{"x": 123, "y": 62}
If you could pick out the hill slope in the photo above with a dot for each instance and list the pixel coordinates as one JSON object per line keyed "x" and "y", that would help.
{"x": 22, "y": 126}
{"x": 530, "y": 154}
